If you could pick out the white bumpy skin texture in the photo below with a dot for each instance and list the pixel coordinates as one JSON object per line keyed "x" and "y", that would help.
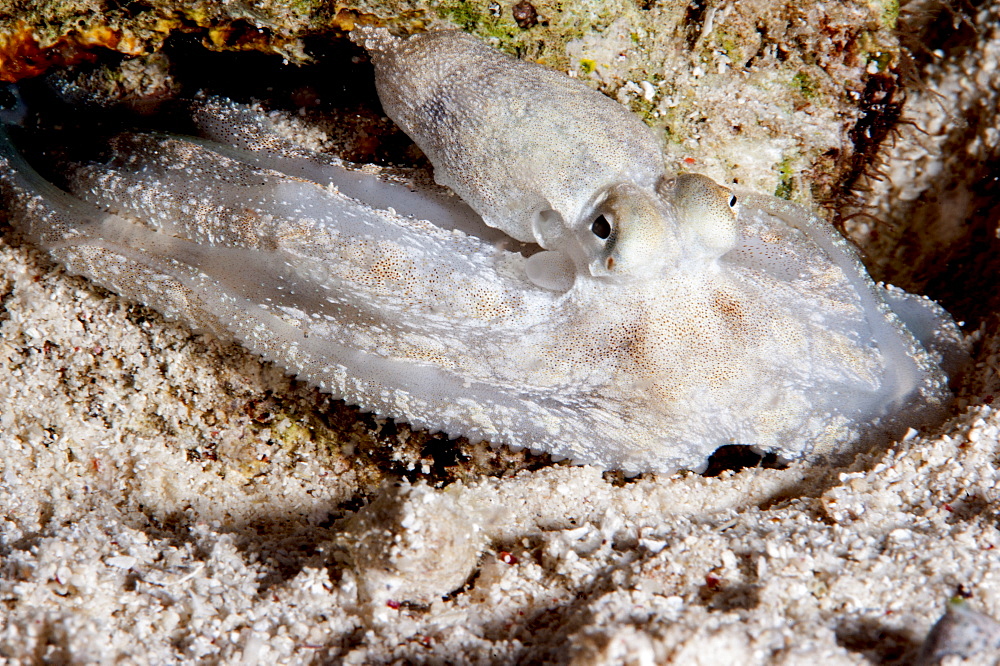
{"x": 754, "y": 326}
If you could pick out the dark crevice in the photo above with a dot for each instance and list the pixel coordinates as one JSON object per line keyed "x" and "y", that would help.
{"x": 736, "y": 457}
{"x": 878, "y": 642}
{"x": 694, "y": 18}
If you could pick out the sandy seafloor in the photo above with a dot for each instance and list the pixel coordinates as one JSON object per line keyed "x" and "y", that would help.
{"x": 159, "y": 505}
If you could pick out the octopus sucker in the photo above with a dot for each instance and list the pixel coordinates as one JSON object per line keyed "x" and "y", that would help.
{"x": 573, "y": 297}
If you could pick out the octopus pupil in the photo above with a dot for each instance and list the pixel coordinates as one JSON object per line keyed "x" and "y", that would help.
{"x": 601, "y": 227}
{"x": 732, "y": 202}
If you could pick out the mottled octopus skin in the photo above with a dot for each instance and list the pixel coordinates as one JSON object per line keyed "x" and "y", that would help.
{"x": 781, "y": 341}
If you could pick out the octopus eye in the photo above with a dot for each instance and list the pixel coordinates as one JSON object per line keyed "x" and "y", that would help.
{"x": 732, "y": 201}
{"x": 601, "y": 227}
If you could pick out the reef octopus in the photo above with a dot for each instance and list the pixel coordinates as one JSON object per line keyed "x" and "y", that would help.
{"x": 574, "y": 297}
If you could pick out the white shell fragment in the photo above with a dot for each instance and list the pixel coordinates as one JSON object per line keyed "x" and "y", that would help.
{"x": 716, "y": 322}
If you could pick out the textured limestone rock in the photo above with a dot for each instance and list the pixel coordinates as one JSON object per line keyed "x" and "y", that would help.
{"x": 412, "y": 544}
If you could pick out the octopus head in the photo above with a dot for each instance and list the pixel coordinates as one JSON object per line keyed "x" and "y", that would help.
{"x": 633, "y": 232}
{"x": 706, "y": 213}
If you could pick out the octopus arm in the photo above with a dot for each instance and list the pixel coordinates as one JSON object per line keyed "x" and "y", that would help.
{"x": 249, "y": 134}
{"x": 908, "y": 370}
